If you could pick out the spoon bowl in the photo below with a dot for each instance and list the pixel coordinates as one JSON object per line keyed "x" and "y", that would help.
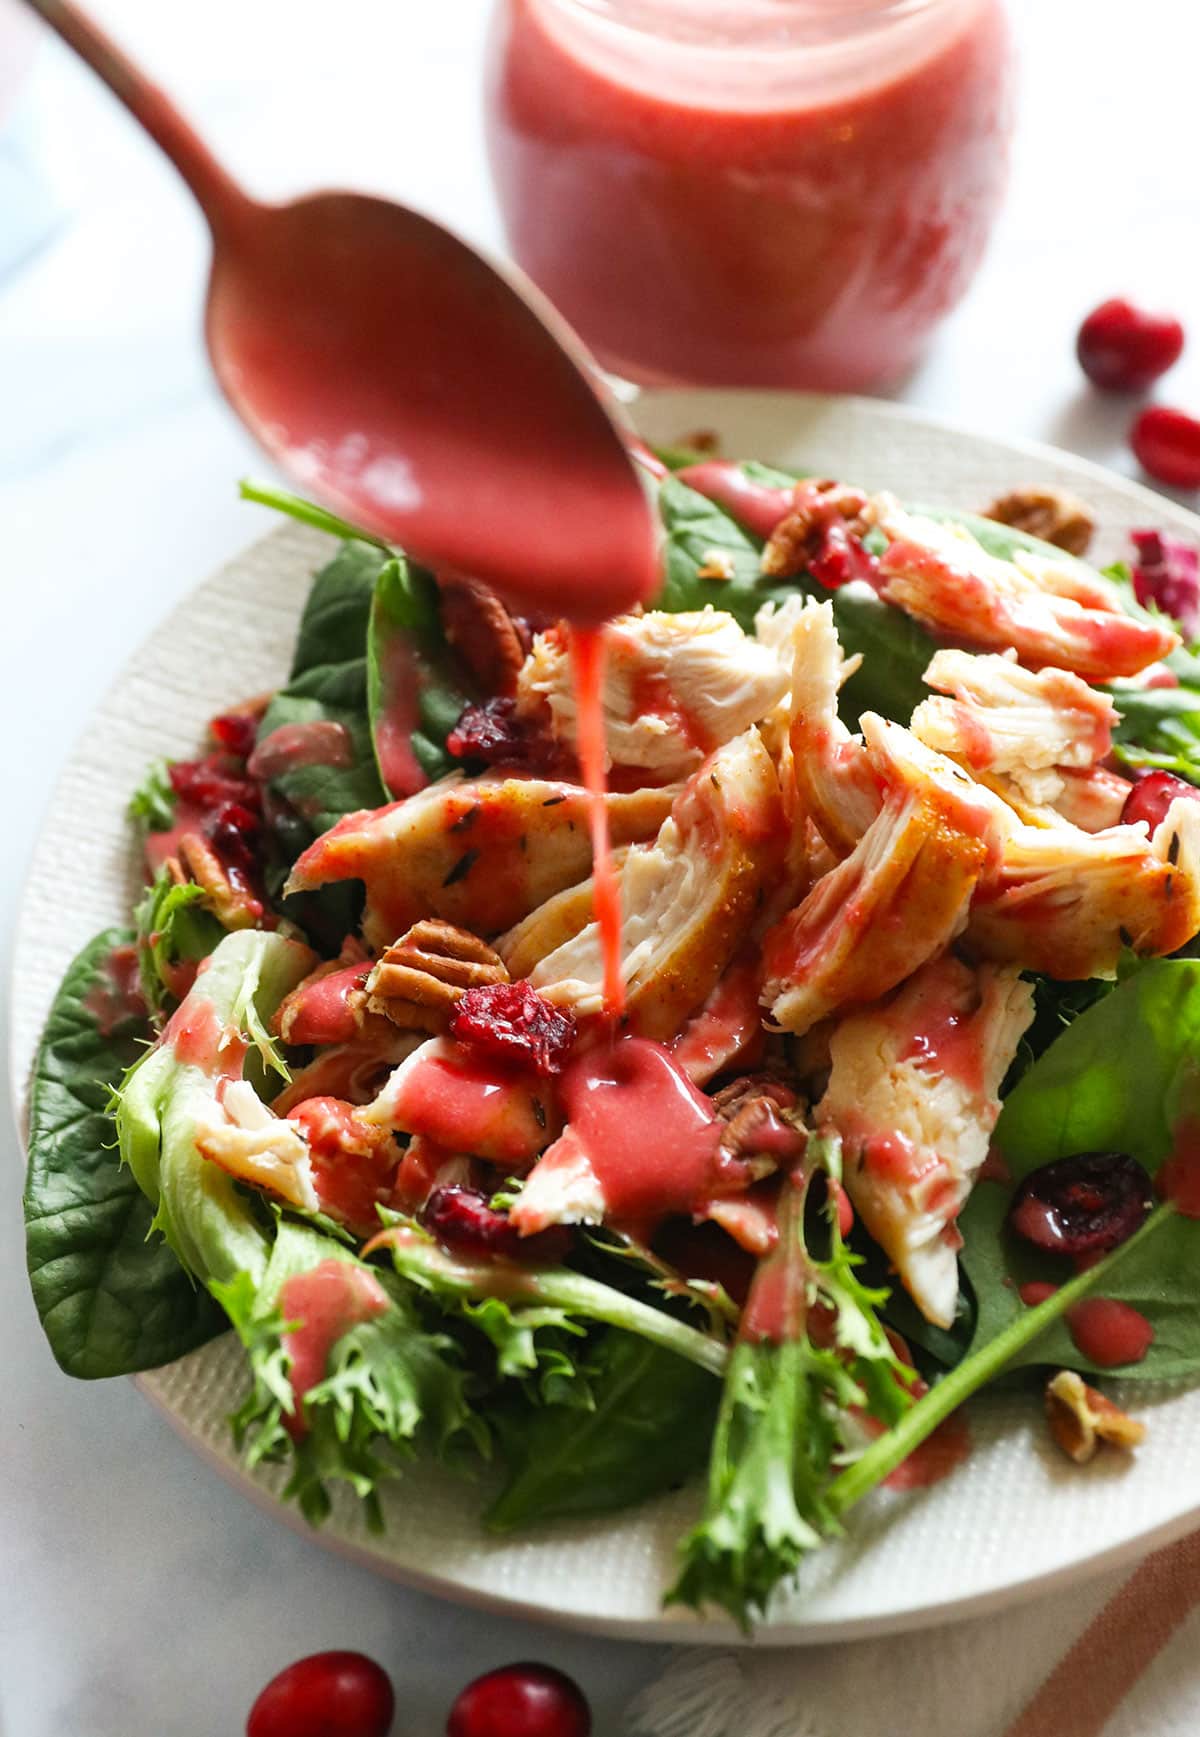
{"x": 394, "y": 374}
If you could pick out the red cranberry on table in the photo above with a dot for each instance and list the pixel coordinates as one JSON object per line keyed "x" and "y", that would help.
{"x": 1166, "y": 443}
{"x": 1124, "y": 348}
{"x": 522, "y": 1700}
{"x": 335, "y": 1694}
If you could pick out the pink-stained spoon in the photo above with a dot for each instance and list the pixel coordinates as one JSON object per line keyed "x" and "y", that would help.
{"x": 402, "y": 381}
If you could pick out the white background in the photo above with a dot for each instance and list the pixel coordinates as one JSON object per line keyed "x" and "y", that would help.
{"x": 139, "y": 1597}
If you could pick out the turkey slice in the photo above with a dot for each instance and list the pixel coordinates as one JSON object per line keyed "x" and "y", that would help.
{"x": 898, "y": 898}
{"x": 913, "y": 1093}
{"x": 686, "y": 900}
{"x": 480, "y": 852}
{"x": 1049, "y": 611}
{"x": 675, "y": 688}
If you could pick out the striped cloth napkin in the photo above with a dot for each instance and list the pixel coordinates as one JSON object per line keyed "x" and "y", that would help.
{"x": 1119, "y": 1657}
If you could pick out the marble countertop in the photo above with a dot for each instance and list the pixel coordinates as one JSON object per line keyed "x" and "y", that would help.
{"x": 138, "y": 1593}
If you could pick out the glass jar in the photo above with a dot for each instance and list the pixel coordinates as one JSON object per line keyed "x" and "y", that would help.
{"x": 750, "y": 192}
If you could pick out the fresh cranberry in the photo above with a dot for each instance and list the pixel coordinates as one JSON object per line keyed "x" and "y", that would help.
{"x": 336, "y": 1694}
{"x": 1166, "y": 443}
{"x": 236, "y": 732}
{"x": 1083, "y": 1204}
{"x": 462, "y": 1220}
{"x": 1152, "y": 794}
{"x": 1124, "y": 348}
{"x": 522, "y": 1700}
{"x": 494, "y": 734}
{"x": 1167, "y": 574}
{"x": 514, "y": 1022}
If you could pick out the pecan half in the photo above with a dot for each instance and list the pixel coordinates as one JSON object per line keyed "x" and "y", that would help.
{"x": 1080, "y": 1418}
{"x": 819, "y": 504}
{"x": 749, "y": 1088}
{"x": 1051, "y": 514}
{"x": 229, "y": 899}
{"x": 422, "y": 975}
{"x": 482, "y": 632}
{"x": 758, "y": 1128}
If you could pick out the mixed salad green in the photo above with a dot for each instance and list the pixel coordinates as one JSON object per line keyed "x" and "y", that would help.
{"x": 178, "y": 1187}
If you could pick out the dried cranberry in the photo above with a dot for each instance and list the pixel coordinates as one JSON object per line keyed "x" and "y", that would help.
{"x": 522, "y": 1700}
{"x": 215, "y": 779}
{"x": 1081, "y": 1205}
{"x": 236, "y": 732}
{"x": 1167, "y": 574}
{"x": 462, "y": 1219}
{"x": 1151, "y": 796}
{"x": 1166, "y": 443}
{"x": 233, "y": 831}
{"x": 494, "y": 734}
{"x": 1123, "y": 348}
{"x": 334, "y": 1694}
{"x": 840, "y": 557}
{"x": 514, "y": 1022}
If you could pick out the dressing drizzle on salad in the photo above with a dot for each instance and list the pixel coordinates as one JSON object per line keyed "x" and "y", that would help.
{"x": 635, "y": 1118}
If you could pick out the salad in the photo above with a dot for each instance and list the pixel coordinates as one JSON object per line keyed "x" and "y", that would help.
{"x": 905, "y": 1095}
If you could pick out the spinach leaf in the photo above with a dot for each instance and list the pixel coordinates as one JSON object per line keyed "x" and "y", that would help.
{"x": 647, "y": 1431}
{"x": 696, "y": 526}
{"x": 1159, "y": 728}
{"x": 329, "y": 681}
{"x": 1118, "y": 1079}
{"x": 110, "y": 1300}
{"x": 414, "y": 696}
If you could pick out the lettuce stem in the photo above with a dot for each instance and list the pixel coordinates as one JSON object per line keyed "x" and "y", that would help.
{"x": 887, "y": 1452}
{"x": 306, "y": 512}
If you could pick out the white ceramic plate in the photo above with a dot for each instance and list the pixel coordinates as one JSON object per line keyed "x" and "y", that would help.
{"x": 1014, "y": 1517}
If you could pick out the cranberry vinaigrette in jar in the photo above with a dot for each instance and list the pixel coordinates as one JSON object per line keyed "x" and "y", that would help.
{"x": 750, "y": 192}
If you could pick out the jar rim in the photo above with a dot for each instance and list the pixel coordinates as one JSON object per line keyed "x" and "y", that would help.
{"x": 751, "y": 54}
{"x": 748, "y": 24}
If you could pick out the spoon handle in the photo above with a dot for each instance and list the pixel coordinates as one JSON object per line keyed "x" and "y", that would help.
{"x": 220, "y": 197}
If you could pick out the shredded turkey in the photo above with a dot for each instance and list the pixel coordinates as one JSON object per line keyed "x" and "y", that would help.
{"x": 256, "y": 1146}
{"x": 913, "y": 1093}
{"x": 1036, "y": 737}
{"x": 675, "y": 688}
{"x": 687, "y": 899}
{"x": 834, "y": 782}
{"x": 1054, "y": 612}
{"x": 898, "y": 898}
{"x": 1068, "y": 903}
